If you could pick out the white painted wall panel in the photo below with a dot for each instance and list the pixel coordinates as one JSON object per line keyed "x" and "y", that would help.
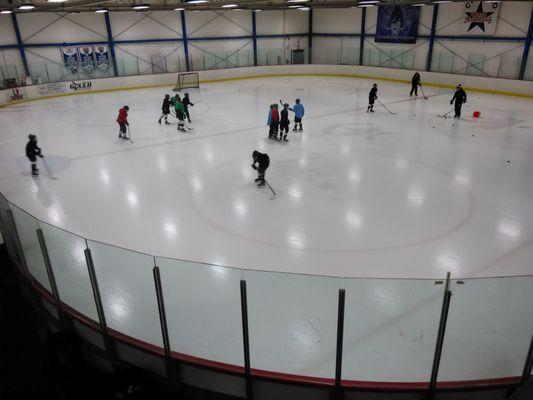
{"x": 219, "y": 23}
{"x": 514, "y": 18}
{"x": 281, "y": 22}
{"x": 67, "y": 28}
{"x": 278, "y": 50}
{"x": 149, "y": 58}
{"x": 7, "y": 32}
{"x": 334, "y": 50}
{"x": 371, "y": 19}
{"x": 346, "y": 20}
{"x": 151, "y": 25}
{"x": 449, "y": 21}
{"x": 424, "y": 22}
{"x": 221, "y": 54}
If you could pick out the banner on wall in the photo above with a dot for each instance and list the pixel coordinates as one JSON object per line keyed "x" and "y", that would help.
{"x": 480, "y": 17}
{"x": 102, "y": 57}
{"x": 397, "y": 24}
{"x": 70, "y": 58}
{"x": 86, "y": 58}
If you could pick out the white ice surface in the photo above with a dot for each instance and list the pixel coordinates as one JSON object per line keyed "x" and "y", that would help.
{"x": 407, "y": 195}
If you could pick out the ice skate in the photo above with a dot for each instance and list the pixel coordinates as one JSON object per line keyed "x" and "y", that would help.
{"x": 285, "y": 138}
{"x": 167, "y": 123}
{"x": 261, "y": 183}
{"x": 257, "y": 180}
{"x": 159, "y": 120}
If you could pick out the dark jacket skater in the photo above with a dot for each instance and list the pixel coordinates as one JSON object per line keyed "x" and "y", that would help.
{"x": 186, "y": 103}
{"x": 459, "y": 97}
{"x": 372, "y": 96}
{"x": 32, "y": 152}
{"x": 415, "y": 82}
{"x": 284, "y": 123}
{"x": 260, "y": 164}
{"x": 165, "y": 109}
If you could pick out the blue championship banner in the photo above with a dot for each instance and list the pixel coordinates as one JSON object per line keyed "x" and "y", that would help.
{"x": 70, "y": 58}
{"x": 397, "y": 24}
{"x": 101, "y": 52}
{"x": 86, "y": 58}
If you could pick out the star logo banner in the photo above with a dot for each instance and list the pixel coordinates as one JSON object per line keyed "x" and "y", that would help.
{"x": 480, "y": 17}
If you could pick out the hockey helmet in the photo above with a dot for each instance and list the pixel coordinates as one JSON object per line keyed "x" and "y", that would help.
{"x": 31, "y": 136}
{"x": 167, "y": 96}
{"x": 297, "y": 101}
{"x": 126, "y": 108}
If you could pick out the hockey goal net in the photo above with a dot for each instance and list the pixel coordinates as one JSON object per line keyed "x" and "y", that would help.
{"x": 187, "y": 81}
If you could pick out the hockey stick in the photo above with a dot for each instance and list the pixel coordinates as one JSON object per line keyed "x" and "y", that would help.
{"x": 129, "y": 135}
{"x": 446, "y": 115}
{"x": 385, "y": 107}
{"x": 423, "y": 94}
{"x": 48, "y": 170}
{"x": 272, "y": 190}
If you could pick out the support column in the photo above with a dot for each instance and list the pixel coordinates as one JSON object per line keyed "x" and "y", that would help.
{"x": 310, "y": 38}
{"x": 527, "y": 45}
{"x": 254, "y": 37}
{"x": 432, "y": 36}
{"x": 20, "y": 44}
{"x": 185, "y": 42}
{"x": 362, "y": 38}
{"x": 111, "y": 43}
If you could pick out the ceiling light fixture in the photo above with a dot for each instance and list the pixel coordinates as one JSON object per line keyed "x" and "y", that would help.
{"x": 365, "y": 5}
{"x": 55, "y": 1}
{"x": 418, "y": 5}
{"x": 229, "y": 5}
{"x": 196, "y": 1}
{"x": 27, "y": 6}
{"x": 140, "y": 6}
{"x": 179, "y": 9}
{"x": 101, "y": 10}
{"x": 369, "y": 2}
{"x": 297, "y": 1}
{"x": 304, "y": 8}
{"x": 6, "y": 12}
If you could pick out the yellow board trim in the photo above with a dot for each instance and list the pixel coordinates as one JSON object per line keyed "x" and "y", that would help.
{"x": 260, "y": 76}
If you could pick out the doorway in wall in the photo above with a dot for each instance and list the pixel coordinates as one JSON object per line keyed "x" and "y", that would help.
{"x": 297, "y": 56}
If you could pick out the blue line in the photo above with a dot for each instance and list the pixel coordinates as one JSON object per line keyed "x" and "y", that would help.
{"x": 20, "y": 45}
{"x": 362, "y": 41}
{"x": 310, "y": 38}
{"x": 111, "y": 43}
{"x": 254, "y": 37}
{"x": 527, "y": 45}
{"x": 432, "y": 36}
{"x": 184, "y": 38}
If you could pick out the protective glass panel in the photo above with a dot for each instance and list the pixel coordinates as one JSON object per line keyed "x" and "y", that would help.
{"x": 7, "y": 230}
{"x": 27, "y": 230}
{"x": 55, "y": 72}
{"x": 349, "y": 55}
{"x": 275, "y": 57}
{"x": 509, "y": 67}
{"x": 66, "y": 252}
{"x": 209, "y": 61}
{"x": 292, "y": 323}
{"x": 476, "y": 64}
{"x": 245, "y": 58}
{"x": 9, "y": 72}
{"x": 203, "y": 309}
{"x": 128, "y": 66}
{"x": 39, "y": 73}
{"x": 390, "y": 329}
{"x": 443, "y": 62}
{"x": 489, "y": 329}
{"x": 127, "y": 289}
{"x": 332, "y": 55}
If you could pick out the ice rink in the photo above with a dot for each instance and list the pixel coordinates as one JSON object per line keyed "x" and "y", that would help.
{"x": 358, "y": 195}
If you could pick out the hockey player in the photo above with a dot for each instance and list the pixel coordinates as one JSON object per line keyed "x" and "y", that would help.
{"x": 273, "y": 121}
{"x": 32, "y": 152}
{"x": 415, "y": 82}
{"x": 299, "y": 112}
{"x": 284, "y": 123}
{"x": 459, "y": 97}
{"x": 186, "y": 103}
{"x": 122, "y": 120}
{"x": 260, "y": 164}
{"x": 372, "y": 96}
{"x": 269, "y": 121}
{"x": 180, "y": 114}
{"x": 165, "y": 108}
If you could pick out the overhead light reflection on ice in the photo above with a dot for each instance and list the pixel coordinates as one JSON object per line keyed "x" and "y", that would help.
{"x": 295, "y": 193}
{"x": 170, "y": 230}
{"x": 416, "y": 195}
{"x": 447, "y": 262}
{"x": 197, "y": 184}
{"x": 132, "y": 198}
{"x": 119, "y": 307}
{"x": 296, "y": 240}
{"x": 105, "y": 177}
{"x": 510, "y": 229}
{"x": 354, "y": 176}
{"x": 354, "y": 219}
{"x": 240, "y": 208}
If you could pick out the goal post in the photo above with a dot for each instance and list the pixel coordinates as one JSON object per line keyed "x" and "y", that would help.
{"x": 187, "y": 81}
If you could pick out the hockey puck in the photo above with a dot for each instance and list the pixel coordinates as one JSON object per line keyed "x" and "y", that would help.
{"x": 433, "y": 127}
{"x": 508, "y": 161}
{"x": 472, "y": 135}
